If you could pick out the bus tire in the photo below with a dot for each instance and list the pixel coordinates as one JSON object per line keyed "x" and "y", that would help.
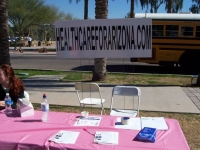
{"x": 190, "y": 61}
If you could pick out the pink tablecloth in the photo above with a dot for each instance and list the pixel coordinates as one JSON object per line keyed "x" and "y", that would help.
{"x": 29, "y": 133}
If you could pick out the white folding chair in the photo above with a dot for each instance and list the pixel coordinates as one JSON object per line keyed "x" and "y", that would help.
{"x": 86, "y": 93}
{"x": 26, "y": 95}
{"x": 129, "y": 91}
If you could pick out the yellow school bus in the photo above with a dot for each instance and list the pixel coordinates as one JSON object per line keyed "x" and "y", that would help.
{"x": 175, "y": 40}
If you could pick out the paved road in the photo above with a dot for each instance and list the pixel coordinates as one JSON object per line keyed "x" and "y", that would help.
{"x": 35, "y": 60}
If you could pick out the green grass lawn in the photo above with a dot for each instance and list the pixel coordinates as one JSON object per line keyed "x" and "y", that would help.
{"x": 115, "y": 78}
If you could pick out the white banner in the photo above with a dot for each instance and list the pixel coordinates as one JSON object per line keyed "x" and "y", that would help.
{"x": 104, "y": 38}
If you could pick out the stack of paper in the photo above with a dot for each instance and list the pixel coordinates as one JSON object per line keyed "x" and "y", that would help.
{"x": 105, "y": 137}
{"x": 89, "y": 121}
{"x": 66, "y": 137}
{"x": 154, "y": 122}
{"x": 134, "y": 124}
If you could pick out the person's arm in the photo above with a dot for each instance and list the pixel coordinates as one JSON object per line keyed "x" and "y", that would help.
{"x": 2, "y": 104}
{"x": 14, "y": 99}
{"x": 21, "y": 94}
{"x": 2, "y": 93}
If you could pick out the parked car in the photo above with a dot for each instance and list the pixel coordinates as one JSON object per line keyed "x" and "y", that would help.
{"x": 13, "y": 40}
{"x": 10, "y": 40}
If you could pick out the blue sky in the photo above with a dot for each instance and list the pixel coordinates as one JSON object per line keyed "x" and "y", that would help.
{"x": 116, "y": 8}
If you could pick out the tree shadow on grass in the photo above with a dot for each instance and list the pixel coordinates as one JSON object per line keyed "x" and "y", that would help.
{"x": 139, "y": 69}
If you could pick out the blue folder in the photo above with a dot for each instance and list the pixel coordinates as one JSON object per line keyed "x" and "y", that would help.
{"x": 147, "y": 135}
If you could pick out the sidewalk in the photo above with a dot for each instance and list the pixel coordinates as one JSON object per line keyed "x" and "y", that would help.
{"x": 153, "y": 98}
{"x": 52, "y": 46}
{"x": 34, "y": 50}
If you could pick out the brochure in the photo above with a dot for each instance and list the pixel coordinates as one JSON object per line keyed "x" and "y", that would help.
{"x": 134, "y": 124}
{"x": 65, "y": 137}
{"x": 154, "y": 122}
{"x": 89, "y": 121}
{"x": 106, "y": 137}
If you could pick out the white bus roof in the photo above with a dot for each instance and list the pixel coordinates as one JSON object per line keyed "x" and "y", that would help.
{"x": 168, "y": 16}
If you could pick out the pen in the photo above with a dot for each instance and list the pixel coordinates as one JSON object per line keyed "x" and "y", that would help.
{"x": 87, "y": 131}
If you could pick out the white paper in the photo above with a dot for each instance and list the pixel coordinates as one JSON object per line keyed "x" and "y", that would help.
{"x": 134, "y": 124}
{"x": 65, "y": 137}
{"x": 154, "y": 122}
{"x": 106, "y": 137}
{"x": 25, "y": 107}
{"x": 90, "y": 121}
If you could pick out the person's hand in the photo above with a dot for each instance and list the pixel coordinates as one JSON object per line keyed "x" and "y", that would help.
{"x": 2, "y": 104}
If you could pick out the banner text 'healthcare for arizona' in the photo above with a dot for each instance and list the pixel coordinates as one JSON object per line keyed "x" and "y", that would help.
{"x": 104, "y": 38}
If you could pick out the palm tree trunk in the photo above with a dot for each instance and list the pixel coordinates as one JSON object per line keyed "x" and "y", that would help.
{"x": 169, "y": 6}
{"x": 85, "y": 9}
{"x": 4, "y": 44}
{"x": 132, "y": 9}
{"x": 101, "y": 9}
{"x": 99, "y": 71}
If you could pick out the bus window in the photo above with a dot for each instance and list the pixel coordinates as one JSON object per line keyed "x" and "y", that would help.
{"x": 172, "y": 30}
{"x": 187, "y": 30}
{"x": 157, "y": 30}
{"x": 197, "y": 31}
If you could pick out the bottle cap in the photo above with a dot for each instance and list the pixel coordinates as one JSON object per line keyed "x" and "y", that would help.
{"x": 44, "y": 96}
{"x": 7, "y": 93}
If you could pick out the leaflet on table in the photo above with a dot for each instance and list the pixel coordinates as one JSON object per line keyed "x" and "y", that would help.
{"x": 89, "y": 121}
{"x": 154, "y": 122}
{"x": 106, "y": 137}
{"x": 134, "y": 124}
{"x": 65, "y": 137}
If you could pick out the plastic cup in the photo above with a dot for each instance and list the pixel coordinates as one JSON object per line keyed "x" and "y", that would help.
{"x": 84, "y": 114}
{"x": 125, "y": 120}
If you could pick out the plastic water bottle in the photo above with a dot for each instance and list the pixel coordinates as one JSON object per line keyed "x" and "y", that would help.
{"x": 8, "y": 103}
{"x": 45, "y": 108}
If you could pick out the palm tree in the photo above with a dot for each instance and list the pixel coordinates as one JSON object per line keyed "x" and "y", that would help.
{"x": 4, "y": 45}
{"x": 132, "y": 6}
{"x": 101, "y": 12}
{"x": 85, "y": 7}
{"x": 169, "y": 6}
{"x": 99, "y": 71}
